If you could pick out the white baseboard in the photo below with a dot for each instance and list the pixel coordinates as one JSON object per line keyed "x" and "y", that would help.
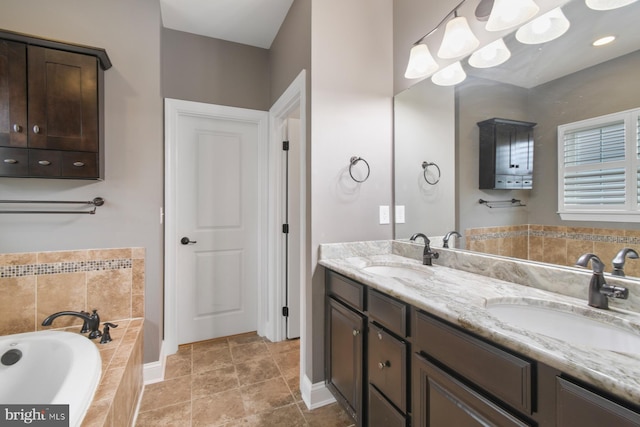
{"x": 315, "y": 395}
{"x": 153, "y": 372}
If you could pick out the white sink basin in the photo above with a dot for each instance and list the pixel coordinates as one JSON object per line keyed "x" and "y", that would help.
{"x": 562, "y": 322}
{"x": 397, "y": 271}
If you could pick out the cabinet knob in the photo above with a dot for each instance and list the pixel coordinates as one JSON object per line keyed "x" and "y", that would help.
{"x": 78, "y": 164}
{"x": 383, "y": 365}
{"x": 44, "y": 162}
{"x": 36, "y": 129}
{"x": 380, "y": 336}
{"x": 356, "y": 332}
{"x": 17, "y": 128}
{"x": 11, "y": 161}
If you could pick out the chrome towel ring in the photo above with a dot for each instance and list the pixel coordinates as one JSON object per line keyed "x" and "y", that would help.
{"x": 354, "y": 161}
{"x": 425, "y": 166}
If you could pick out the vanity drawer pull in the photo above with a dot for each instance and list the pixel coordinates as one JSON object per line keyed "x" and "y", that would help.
{"x": 78, "y": 164}
{"x": 44, "y": 162}
{"x": 11, "y": 161}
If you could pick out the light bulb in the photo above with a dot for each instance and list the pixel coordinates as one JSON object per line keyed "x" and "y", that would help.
{"x": 495, "y": 53}
{"x": 458, "y": 39}
{"x": 507, "y": 14}
{"x": 545, "y": 28}
{"x": 421, "y": 63}
{"x": 451, "y": 75}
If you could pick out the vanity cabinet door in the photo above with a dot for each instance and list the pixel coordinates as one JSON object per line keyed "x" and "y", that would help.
{"x": 579, "y": 407}
{"x": 13, "y": 95}
{"x": 440, "y": 400}
{"x": 344, "y": 364}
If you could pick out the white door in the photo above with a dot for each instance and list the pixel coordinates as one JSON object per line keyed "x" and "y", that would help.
{"x": 217, "y": 228}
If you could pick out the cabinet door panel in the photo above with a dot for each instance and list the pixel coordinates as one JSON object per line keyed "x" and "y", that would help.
{"x": 440, "y": 400}
{"x": 345, "y": 356}
{"x": 13, "y": 94}
{"x": 63, "y": 100}
{"x": 578, "y": 407}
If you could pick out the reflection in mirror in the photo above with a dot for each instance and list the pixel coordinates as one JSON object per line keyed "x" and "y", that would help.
{"x": 551, "y": 84}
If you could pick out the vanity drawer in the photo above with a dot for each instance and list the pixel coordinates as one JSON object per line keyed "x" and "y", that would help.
{"x": 502, "y": 374}
{"x": 345, "y": 290}
{"x": 388, "y": 365}
{"x": 382, "y": 413}
{"x": 388, "y": 312}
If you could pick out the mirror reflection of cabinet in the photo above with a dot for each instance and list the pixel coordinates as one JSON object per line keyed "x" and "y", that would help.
{"x": 506, "y": 154}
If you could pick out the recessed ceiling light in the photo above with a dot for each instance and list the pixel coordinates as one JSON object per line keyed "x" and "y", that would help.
{"x": 603, "y": 40}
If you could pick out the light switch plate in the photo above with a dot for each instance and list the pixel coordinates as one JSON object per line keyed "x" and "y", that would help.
{"x": 384, "y": 215}
{"x": 400, "y": 214}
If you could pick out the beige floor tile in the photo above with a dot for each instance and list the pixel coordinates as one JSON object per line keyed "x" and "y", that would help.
{"x": 179, "y": 364}
{"x": 249, "y": 352}
{"x": 287, "y": 416}
{"x": 166, "y": 393}
{"x": 208, "y": 383}
{"x": 175, "y": 415}
{"x": 327, "y": 416}
{"x": 218, "y": 409}
{"x": 265, "y": 396}
{"x": 248, "y": 338}
{"x": 214, "y": 358}
{"x": 254, "y": 372}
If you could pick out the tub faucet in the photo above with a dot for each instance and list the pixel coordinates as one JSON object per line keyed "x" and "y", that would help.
{"x": 598, "y": 288}
{"x": 445, "y": 240}
{"x": 427, "y": 254}
{"x": 618, "y": 261}
{"x": 91, "y": 321}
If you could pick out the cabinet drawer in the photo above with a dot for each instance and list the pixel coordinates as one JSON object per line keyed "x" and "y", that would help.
{"x": 388, "y": 365}
{"x": 382, "y": 413}
{"x": 388, "y": 312}
{"x": 580, "y": 407}
{"x": 45, "y": 163}
{"x": 502, "y": 374}
{"x": 79, "y": 164}
{"x": 346, "y": 290}
{"x": 14, "y": 161}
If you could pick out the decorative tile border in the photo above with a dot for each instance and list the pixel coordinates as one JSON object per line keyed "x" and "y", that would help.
{"x": 64, "y": 267}
{"x": 479, "y": 236}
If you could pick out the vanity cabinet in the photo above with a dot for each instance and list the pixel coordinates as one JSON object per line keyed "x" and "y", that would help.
{"x": 345, "y": 343}
{"x": 506, "y": 154}
{"x": 51, "y": 108}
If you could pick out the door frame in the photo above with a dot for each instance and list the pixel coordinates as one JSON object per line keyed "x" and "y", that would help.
{"x": 173, "y": 109}
{"x": 294, "y": 98}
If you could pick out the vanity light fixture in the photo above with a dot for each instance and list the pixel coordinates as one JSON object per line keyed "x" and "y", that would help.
{"x": 603, "y": 41}
{"x": 495, "y": 53}
{"x": 544, "y": 28}
{"x": 607, "y": 4}
{"x": 449, "y": 76}
{"x": 421, "y": 63}
{"x": 507, "y": 14}
{"x": 458, "y": 39}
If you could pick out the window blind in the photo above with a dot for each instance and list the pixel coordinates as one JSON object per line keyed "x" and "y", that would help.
{"x": 598, "y": 187}
{"x": 595, "y": 145}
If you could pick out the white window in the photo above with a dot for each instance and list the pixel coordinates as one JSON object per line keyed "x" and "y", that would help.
{"x": 599, "y": 168}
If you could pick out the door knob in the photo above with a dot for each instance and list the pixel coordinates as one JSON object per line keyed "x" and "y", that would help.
{"x": 186, "y": 241}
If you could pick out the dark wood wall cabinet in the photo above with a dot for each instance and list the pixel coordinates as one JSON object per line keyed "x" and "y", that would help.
{"x": 506, "y": 154}
{"x": 51, "y": 108}
{"x": 392, "y": 365}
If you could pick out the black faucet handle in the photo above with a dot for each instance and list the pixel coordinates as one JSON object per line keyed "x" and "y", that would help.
{"x": 106, "y": 334}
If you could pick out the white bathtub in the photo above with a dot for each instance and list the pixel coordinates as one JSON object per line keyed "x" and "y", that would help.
{"x": 55, "y": 368}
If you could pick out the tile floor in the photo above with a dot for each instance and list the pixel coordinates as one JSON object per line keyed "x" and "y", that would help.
{"x": 243, "y": 380}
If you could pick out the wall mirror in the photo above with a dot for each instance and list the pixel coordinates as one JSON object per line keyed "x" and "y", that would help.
{"x": 553, "y": 83}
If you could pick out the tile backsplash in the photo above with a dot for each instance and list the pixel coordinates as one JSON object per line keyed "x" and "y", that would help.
{"x": 555, "y": 244}
{"x": 34, "y": 285}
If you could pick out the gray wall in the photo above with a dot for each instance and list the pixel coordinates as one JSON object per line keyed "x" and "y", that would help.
{"x": 130, "y": 33}
{"x": 202, "y": 69}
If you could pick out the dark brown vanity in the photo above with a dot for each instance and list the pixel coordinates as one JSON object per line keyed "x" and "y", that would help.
{"x": 391, "y": 364}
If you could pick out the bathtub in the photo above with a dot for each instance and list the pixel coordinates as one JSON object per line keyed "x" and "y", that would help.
{"x": 54, "y": 367}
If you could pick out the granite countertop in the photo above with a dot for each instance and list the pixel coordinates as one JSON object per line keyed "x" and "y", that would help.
{"x": 461, "y": 297}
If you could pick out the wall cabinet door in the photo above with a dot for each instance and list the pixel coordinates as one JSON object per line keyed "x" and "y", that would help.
{"x": 440, "y": 400}
{"x": 345, "y": 357}
{"x": 13, "y": 94}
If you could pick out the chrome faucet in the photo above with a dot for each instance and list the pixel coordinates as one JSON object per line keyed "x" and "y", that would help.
{"x": 445, "y": 240}
{"x": 618, "y": 260}
{"x": 427, "y": 254}
{"x": 598, "y": 288}
{"x": 91, "y": 321}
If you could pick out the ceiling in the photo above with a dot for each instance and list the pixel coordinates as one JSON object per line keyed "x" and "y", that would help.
{"x": 250, "y": 22}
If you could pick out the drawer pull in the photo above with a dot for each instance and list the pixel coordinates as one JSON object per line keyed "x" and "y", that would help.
{"x": 11, "y": 161}
{"x": 383, "y": 365}
{"x": 17, "y": 128}
{"x": 380, "y": 336}
{"x": 356, "y": 332}
{"x": 44, "y": 162}
{"x": 78, "y": 164}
